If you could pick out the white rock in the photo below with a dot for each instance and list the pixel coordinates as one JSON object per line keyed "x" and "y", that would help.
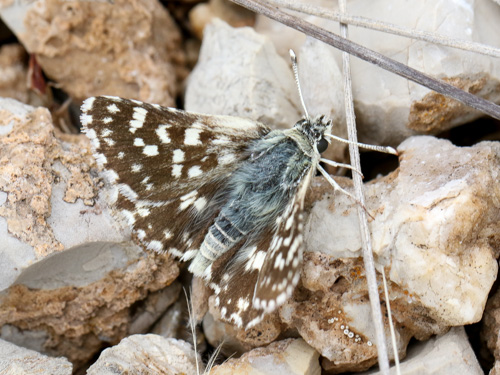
{"x": 287, "y": 357}
{"x": 432, "y": 222}
{"x": 15, "y": 360}
{"x": 447, "y": 354}
{"x": 239, "y": 73}
{"x": 147, "y": 354}
{"x": 389, "y": 108}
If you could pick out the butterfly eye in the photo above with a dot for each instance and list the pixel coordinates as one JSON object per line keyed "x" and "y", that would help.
{"x": 322, "y": 145}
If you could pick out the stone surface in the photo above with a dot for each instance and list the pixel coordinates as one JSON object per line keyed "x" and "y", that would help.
{"x": 129, "y": 48}
{"x": 447, "y": 354}
{"x": 287, "y": 357}
{"x": 203, "y": 13}
{"x": 256, "y": 82}
{"x": 389, "y": 108}
{"x": 490, "y": 330}
{"x": 71, "y": 276}
{"x": 20, "y": 361}
{"x": 13, "y": 72}
{"x": 435, "y": 232}
{"x": 147, "y": 354}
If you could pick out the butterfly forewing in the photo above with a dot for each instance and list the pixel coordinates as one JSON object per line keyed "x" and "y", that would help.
{"x": 168, "y": 164}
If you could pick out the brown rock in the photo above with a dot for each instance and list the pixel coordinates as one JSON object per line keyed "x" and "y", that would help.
{"x": 129, "y": 48}
{"x": 13, "y": 74}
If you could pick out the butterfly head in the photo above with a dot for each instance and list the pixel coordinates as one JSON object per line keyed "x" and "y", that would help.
{"x": 314, "y": 130}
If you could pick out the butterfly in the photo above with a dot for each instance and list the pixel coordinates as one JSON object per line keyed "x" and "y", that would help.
{"x": 225, "y": 193}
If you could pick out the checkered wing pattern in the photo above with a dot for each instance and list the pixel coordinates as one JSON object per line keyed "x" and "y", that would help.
{"x": 168, "y": 165}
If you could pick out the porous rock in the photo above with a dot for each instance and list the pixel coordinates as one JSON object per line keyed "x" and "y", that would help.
{"x": 126, "y": 48}
{"x": 435, "y": 231}
{"x": 71, "y": 276}
{"x": 389, "y": 108}
{"x": 287, "y": 357}
{"x": 13, "y": 72}
{"x": 147, "y": 354}
{"x": 16, "y": 360}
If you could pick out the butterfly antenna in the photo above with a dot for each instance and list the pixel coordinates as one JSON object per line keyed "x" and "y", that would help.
{"x": 296, "y": 74}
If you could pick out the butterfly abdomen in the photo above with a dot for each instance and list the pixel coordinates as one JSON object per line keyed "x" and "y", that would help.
{"x": 256, "y": 194}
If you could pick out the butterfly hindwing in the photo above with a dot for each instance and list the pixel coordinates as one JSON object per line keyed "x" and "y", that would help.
{"x": 261, "y": 277}
{"x": 168, "y": 164}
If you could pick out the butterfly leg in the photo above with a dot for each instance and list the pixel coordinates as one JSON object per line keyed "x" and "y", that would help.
{"x": 337, "y": 187}
{"x": 341, "y": 165}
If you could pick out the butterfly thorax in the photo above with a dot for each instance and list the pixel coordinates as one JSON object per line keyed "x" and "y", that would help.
{"x": 256, "y": 193}
{"x": 308, "y": 133}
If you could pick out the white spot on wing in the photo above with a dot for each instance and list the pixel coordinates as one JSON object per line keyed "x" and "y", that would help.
{"x": 162, "y": 133}
{"x": 178, "y": 156}
{"x": 168, "y": 235}
{"x": 143, "y": 211}
{"x": 129, "y": 216}
{"x": 200, "y": 203}
{"x": 85, "y": 119}
{"x": 138, "y": 116}
{"x": 106, "y": 132}
{"x": 155, "y": 245}
{"x": 136, "y": 168}
{"x": 109, "y": 142}
{"x": 150, "y": 150}
{"x": 112, "y": 108}
{"x": 127, "y": 191}
{"x": 192, "y": 137}
{"x": 87, "y": 104}
{"x": 139, "y": 142}
{"x": 256, "y": 261}
{"x": 176, "y": 170}
{"x": 194, "y": 171}
{"x": 141, "y": 234}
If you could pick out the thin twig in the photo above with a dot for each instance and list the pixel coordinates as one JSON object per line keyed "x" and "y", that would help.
{"x": 373, "y": 57}
{"x": 371, "y": 278}
{"x": 390, "y": 28}
{"x": 391, "y": 324}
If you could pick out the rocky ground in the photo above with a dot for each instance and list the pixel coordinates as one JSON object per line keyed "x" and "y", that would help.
{"x": 80, "y": 294}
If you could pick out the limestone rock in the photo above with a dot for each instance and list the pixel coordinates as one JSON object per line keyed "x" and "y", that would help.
{"x": 129, "y": 48}
{"x": 389, "y": 108}
{"x": 255, "y": 83}
{"x": 20, "y": 361}
{"x": 203, "y": 13}
{"x": 287, "y": 357}
{"x": 447, "y": 354}
{"x": 71, "y": 276}
{"x": 435, "y": 232}
{"x": 147, "y": 354}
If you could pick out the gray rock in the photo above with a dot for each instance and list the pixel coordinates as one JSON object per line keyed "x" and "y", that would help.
{"x": 147, "y": 354}
{"x": 447, "y": 354}
{"x": 20, "y": 361}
